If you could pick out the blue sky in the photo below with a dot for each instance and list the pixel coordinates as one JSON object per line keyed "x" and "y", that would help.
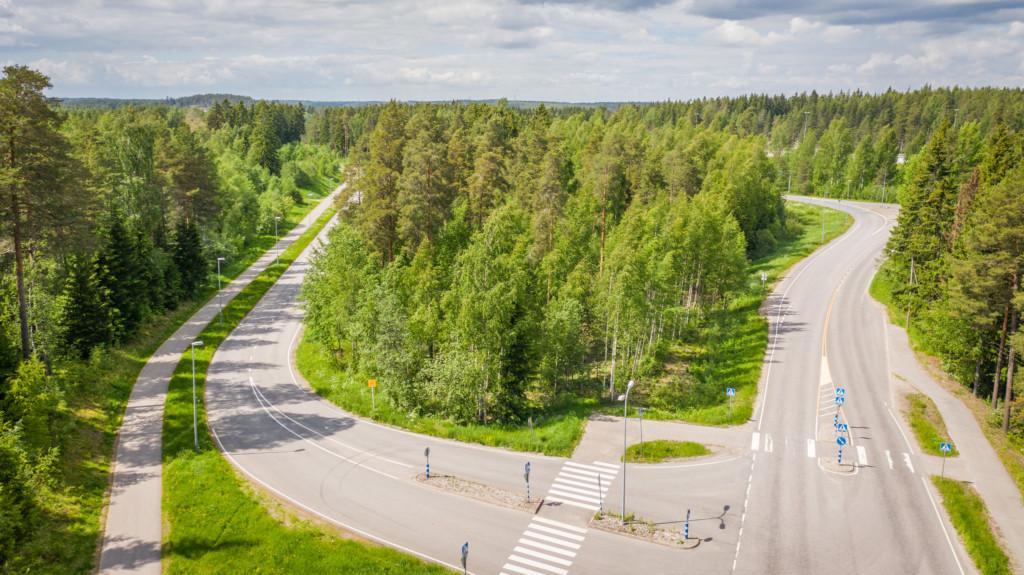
{"x": 584, "y": 50}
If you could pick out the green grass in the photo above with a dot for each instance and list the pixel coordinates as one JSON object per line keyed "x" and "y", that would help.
{"x": 216, "y": 523}
{"x": 970, "y": 518}
{"x": 662, "y": 449}
{"x": 729, "y": 350}
{"x": 1009, "y": 448}
{"x": 555, "y": 434}
{"x": 927, "y": 423}
{"x": 69, "y": 527}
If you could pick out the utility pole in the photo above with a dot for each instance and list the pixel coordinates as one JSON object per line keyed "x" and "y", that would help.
{"x": 625, "y": 421}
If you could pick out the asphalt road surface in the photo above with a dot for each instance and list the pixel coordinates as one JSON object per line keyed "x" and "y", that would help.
{"x": 782, "y": 503}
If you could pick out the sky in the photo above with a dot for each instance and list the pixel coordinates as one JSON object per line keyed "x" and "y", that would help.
{"x": 569, "y": 50}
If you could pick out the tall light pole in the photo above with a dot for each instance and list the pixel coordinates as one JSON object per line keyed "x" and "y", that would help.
{"x": 220, "y": 302}
{"x": 276, "y": 238}
{"x": 195, "y": 410}
{"x": 625, "y": 421}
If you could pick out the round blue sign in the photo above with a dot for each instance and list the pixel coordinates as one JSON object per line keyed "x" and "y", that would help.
{"x": 841, "y": 440}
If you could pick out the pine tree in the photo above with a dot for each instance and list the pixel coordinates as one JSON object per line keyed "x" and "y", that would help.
{"x": 188, "y": 257}
{"x": 264, "y": 140}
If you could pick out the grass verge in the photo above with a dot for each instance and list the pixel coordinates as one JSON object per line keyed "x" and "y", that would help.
{"x": 1009, "y": 448}
{"x": 555, "y": 434}
{"x": 664, "y": 450}
{"x": 216, "y": 522}
{"x": 970, "y": 518}
{"x": 927, "y": 423}
{"x": 68, "y": 526}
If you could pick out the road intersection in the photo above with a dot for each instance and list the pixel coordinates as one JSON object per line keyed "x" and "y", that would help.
{"x": 773, "y": 498}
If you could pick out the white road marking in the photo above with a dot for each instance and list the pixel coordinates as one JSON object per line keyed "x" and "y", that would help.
{"x": 590, "y": 467}
{"x": 591, "y": 484}
{"x": 522, "y": 570}
{"x": 583, "y": 472}
{"x": 755, "y": 441}
{"x": 544, "y": 556}
{"x": 537, "y": 564}
{"x": 592, "y": 491}
{"x": 574, "y": 504}
{"x": 862, "y": 456}
{"x": 546, "y": 547}
{"x": 906, "y": 459}
{"x": 560, "y": 533}
{"x": 769, "y": 445}
{"x": 810, "y": 448}
{"x": 943, "y": 525}
{"x": 549, "y": 539}
{"x": 570, "y": 495}
{"x": 607, "y": 465}
{"x": 888, "y": 456}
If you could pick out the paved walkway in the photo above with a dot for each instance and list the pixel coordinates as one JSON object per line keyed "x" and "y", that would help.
{"x": 979, "y": 462}
{"x": 132, "y": 533}
{"x": 602, "y": 438}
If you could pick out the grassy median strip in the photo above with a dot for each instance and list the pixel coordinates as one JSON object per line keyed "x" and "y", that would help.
{"x": 217, "y": 524}
{"x": 664, "y": 450}
{"x": 927, "y": 423}
{"x": 970, "y": 518}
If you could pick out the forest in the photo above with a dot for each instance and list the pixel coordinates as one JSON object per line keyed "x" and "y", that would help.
{"x": 498, "y": 264}
{"x": 111, "y": 225}
{"x": 505, "y": 262}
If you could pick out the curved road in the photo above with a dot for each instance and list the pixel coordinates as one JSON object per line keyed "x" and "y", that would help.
{"x": 791, "y": 507}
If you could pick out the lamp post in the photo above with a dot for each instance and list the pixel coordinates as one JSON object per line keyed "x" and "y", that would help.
{"x": 276, "y": 238}
{"x": 625, "y": 421}
{"x": 220, "y": 302}
{"x": 641, "y": 411}
{"x": 195, "y": 410}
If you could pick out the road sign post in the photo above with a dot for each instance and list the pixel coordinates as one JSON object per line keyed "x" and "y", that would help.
{"x": 764, "y": 279}
{"x": 945, "y": 447}
{"x": 465, "y": 556}
{"x": 372, "y": 384}
{"x": 426, "y": 453}
{"x": 730, "y": 392}
{"x": 841, "y": 441}
{"x": 526, "y": 476}
{"x": 600, "y": 494}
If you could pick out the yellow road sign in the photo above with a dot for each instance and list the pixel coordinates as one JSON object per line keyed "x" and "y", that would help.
{"x": 371, "y": 383}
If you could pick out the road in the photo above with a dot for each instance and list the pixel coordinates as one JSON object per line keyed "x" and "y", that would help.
{"x": 775, "y": 500}
{"x": 133, "y": 521}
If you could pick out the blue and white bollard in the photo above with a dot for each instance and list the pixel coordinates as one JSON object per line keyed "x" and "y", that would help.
{"x": 840, "y": 455}
{"x": 426, "y": 453}
{"x": 686, "y": 526}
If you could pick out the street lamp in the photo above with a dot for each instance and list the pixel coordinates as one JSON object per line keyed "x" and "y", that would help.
{"x": 195, "y": 411}
{"x": 276, "y": 239}
{"x": 220, "y": 302}
{"x": 624, "y": 398}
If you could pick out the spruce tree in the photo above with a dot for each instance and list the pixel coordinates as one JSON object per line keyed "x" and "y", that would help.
{"x": 89, "y": 320}
{"x": 188, "y": 258}
{"x": 121, "y": 275}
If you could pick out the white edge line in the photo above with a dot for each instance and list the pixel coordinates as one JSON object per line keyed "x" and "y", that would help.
{"x": 341, "y": 524}
{"x": 942, "y": 524}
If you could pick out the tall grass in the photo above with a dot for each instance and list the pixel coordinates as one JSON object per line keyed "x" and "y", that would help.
{"x": 970, "y": 518}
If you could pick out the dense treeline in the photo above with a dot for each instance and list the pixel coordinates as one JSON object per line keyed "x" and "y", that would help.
{"x": 497, "y": 257}
{"x": 109, "y": 219}
{"x": 956, "y": 259}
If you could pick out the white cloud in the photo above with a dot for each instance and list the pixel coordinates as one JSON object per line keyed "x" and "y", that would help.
{"x": 732, "y": 32}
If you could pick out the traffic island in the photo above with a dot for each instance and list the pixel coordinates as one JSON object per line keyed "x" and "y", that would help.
{"x": 645, "y": 530}
{"x": 481, "y": 492}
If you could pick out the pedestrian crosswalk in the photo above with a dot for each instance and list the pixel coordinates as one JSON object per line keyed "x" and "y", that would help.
{"x": 762, "y": 442}
{"x": 582, "y": 485}
{"x": 546, "y": 547}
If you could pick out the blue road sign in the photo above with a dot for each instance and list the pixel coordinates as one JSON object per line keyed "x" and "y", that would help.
{"x": 841, "y": 440}
{"x": 840, "y": 399}
{"x": 843, "y": 427}
{"x": 946, "y": 447}
{"x": 730, "y": 391}
{"x": 465, "y": 554}
{"x": 840, "y": 391}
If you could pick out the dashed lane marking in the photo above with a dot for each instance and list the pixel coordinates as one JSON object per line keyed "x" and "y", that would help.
{"x": 862, "y": 456}
{"x": 810, "y": 448}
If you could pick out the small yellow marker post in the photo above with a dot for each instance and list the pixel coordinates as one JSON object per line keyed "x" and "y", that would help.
{"x": 372, "y": 384}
